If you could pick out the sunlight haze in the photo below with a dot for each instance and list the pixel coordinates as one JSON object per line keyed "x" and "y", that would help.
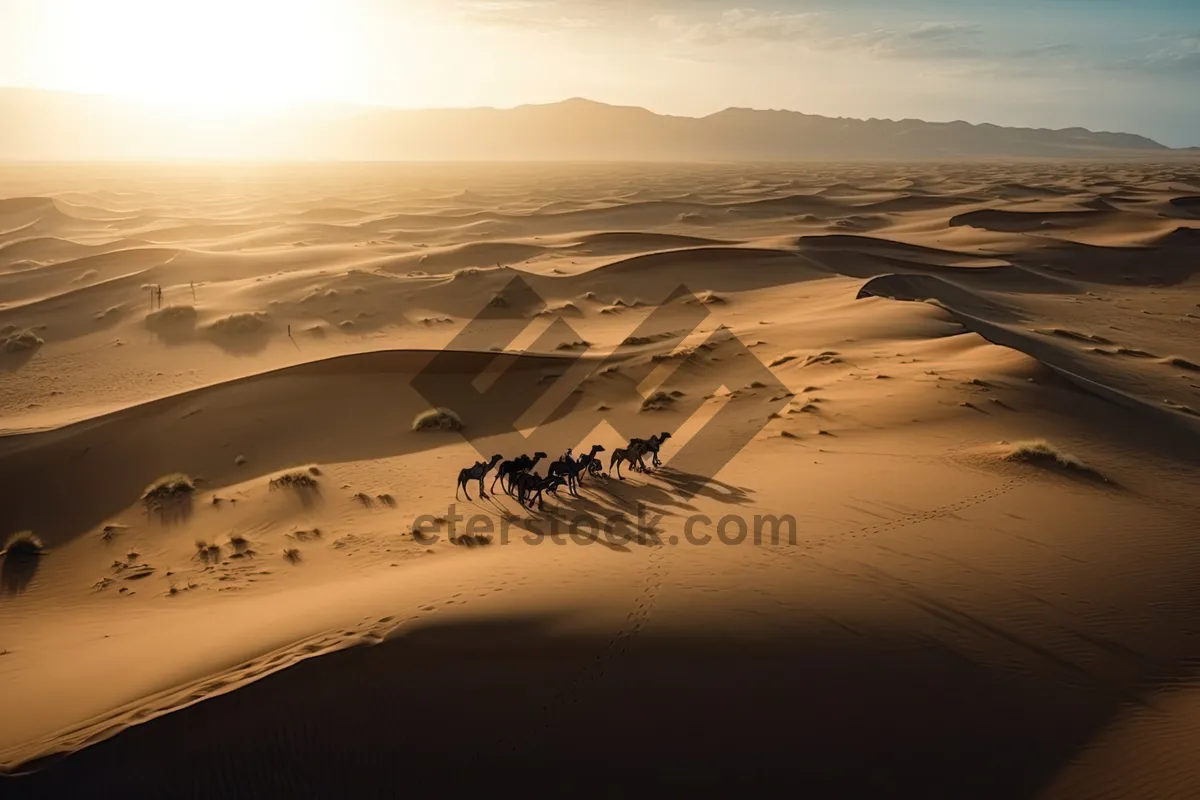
{"x": 1100, "y": 64}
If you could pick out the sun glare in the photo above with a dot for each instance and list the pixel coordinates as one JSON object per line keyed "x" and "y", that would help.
{"x": 207, "y": 56}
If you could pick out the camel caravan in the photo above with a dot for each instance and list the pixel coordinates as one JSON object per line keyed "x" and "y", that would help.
{"x": 519, "y": 480}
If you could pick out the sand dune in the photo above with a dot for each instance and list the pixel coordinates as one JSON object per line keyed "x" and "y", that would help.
{"x": 957, "y": 615}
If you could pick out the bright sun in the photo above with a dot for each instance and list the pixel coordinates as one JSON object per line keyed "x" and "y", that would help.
{"x": 207, "y": 56}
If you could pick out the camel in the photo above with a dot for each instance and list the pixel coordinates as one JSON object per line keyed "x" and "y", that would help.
{"x": 631, "y": 454}
{"x": 572, "y": 469}
{"x": 473, "y": 473}
{"x": 530, "y": 486}
{"x": 653, "y": 444}
{"x": 508, "y": 469}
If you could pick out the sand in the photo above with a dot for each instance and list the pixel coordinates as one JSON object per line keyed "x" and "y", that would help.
{"x": 948, "y": 621}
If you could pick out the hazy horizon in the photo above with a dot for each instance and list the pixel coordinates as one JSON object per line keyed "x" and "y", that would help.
{"x": 1103, "y": 65}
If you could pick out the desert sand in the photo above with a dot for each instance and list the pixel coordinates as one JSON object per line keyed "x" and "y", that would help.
{"x": 948, "y": 621}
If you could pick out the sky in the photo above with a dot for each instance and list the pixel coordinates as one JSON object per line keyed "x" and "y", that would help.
{"x": 1118, "y": 65}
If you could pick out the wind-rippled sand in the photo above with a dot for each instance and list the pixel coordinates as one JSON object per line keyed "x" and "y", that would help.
{"x": 948, "y": 622}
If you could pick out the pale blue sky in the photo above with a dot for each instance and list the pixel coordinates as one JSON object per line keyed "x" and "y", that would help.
{"x": 1130, "y": 65}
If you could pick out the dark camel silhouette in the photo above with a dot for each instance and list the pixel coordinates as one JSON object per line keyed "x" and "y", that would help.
{"x": 653, "y": 444}
{"x": 508, "y": 469}
{"x": 473, "y": 473}
{"x": 572, "y": 469}
{"x": 530, "y": 486}
{"x": 631, "y": 455}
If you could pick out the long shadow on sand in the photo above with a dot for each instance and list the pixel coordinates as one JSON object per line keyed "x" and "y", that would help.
{"x": 17, "y": 571}
{"x": 857, "y": 710}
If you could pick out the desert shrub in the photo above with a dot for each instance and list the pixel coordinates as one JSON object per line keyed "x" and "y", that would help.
{"x": 20, "y": 342}
{"x": 23, "y": 544}
{"x": 1039, "y": 450}
{"x": 709, "y": 298}
{"x": 1042, "y": 453}
{"x": 292, "y": 555}
{"x": 169, "y": 487}
{"x": 294, "y": 480}
{"x": 240, "y": 324}
{"x": 208, "y": 553}
{"x": 658, "y": 401}
{"x": 171, "y": 316}
{"x": 437, "y": 419}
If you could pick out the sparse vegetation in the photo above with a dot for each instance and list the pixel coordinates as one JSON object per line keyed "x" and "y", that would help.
{"x": 709, "y": 298}
{"x": 472, "y": 540}
{"x": 208, "y": 553}
{"x": 305, "y": 536}
{"x": 437, "y": 419}
{"x": 171, "y": 316}
{"x": 167, "y": 489}
{"x": 292, "y": 555}
{"x": 240, "y": 324}
{"x": 658, "y": 401}
{"x": 567, "y": 309}
{"x": 1042, "y": 453}
{"x": 826, "y": 357}
{"x": 20, "y": 342}
{"x": 1039, "y": 450}
{"x": 23, "y": 544}
{"x": 300, "y": 481}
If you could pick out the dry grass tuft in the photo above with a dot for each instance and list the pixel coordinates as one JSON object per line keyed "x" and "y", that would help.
{"x": 658, "y": 401}
{"x": 437, "y": 419}
{"x": 708, "y": 298}
{"x": 473, "y": 540}
{"x": 20, "y": 342}
{"x": 208, "y": 553}
{"x": 292, "y": 555}
{"x": 300, "y": 481}
{"x": 1039, "y": 452}
{"x": 169, "y": 488}
{"x": 240, "y": 324}
{"x": 23, "y": 544}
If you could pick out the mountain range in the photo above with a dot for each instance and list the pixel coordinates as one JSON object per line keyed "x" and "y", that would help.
{"x": 59, "y": 126}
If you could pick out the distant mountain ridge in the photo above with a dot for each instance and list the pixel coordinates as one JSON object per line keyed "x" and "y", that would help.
{"x": 42, "y": 125}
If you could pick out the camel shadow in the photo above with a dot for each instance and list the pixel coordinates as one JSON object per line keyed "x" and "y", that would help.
{"x": 639, "y": 493}
{"x": 17, "y": 572}
{"x": 690, "y": 485}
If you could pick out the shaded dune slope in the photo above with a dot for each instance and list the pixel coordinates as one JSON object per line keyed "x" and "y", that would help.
{"x": 979, "y": 314}
{"x": 82, "y": 473}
